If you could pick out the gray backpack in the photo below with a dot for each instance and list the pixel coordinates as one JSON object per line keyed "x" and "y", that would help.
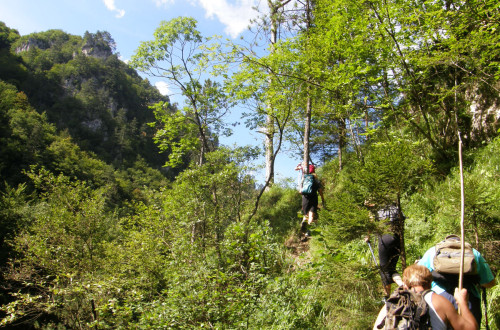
{"x": 406, "y": 309}
{"x": 447, "y": 264}
{"x": 448, "y": 255}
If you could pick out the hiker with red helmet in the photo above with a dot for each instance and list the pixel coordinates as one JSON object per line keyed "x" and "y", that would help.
{"x": 309, "y": 188}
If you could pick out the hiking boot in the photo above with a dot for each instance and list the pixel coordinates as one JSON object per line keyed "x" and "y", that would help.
{"x": 303, "y": 227}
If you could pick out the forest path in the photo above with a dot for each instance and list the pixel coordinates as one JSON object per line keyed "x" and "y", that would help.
{"x": 299, "y": 251}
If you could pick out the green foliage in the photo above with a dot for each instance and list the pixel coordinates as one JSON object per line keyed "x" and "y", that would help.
{"x": 12, "y": 69}
{"x": 70, "y": 223}
{"x": 401, "y": 63}
{"x": 60, "y": 248}
{"x": 177, "y": 135}
{"x": 84, "y": 88}
{"x": 347, "y": 220}
{"x": 493, "y": 307}
{"x": 350, "y": 270}
{"x": 179, "y": 54}
{"x": 7, "y": 36}
{"x": 95, "y": 236}
{"x": 25, "y": 134}
{"x": 288, "y": 302}
{"x": 391, "y": 168}
{"x": 187, "y": 258}
{"x": 178, "y": 30}
{"x": 437, "y": 207}
{"x": 13, "y": 205}
{"x": 99, "y": 41}
{"x": 280, "y": 206}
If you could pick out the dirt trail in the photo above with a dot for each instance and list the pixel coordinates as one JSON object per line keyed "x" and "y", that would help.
{"x": 299, "y": 250}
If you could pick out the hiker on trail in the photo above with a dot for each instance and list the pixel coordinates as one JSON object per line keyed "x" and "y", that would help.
{"x": 389, "y": 246}
{"x": 444, "y": 284}
{"x": 310, "y": 197}
{"x": 441, "y": 312}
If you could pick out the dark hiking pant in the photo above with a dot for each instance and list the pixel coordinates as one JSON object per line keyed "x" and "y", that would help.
{"x": 388, "y": 254}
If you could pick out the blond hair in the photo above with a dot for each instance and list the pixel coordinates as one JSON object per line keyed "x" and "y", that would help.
{"x": 415, "y": 275}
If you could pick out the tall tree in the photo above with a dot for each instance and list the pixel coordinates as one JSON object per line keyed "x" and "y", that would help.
{"x": 179, "y": 54}
{"x": 276, "y": 84}
{"x": 345, "y": 71}
{"x": 307, "y": 125}
{"x": 440, "y": 59}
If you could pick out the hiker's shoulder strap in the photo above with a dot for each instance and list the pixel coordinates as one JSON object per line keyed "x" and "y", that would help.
{"x": 427, "y": 293}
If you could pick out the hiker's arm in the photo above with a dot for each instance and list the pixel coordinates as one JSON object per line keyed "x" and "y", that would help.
{"x": 489, "y": 284}
{"x": 486, "y": 277}
{"x": 465, "y": 320}
{"x": 320, "y": 190}
{"x": 371, "y": 217}
{"x": 465, "y": 313}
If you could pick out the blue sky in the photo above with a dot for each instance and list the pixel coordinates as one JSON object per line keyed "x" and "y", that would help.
{"x": 131, "y": 21}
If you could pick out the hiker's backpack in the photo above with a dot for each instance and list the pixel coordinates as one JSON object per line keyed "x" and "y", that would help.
{"x": 448, "y": 255}
{"x": 406, "y": 309}
{"x": 307, "y": 184}
{"x": 446, "y": 263}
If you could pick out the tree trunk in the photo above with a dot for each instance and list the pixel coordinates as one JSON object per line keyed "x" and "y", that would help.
{"x": 269, "y": 131}
{"x": 307, "y": 125}
{"x": 342, "y": 140}
{"x": 401, "y": 230}
{"x": 269, "y": 145}
{"x": 307, "y": 132}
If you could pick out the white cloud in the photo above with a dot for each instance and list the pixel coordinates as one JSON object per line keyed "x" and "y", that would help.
{"x": 236, "y": 17}
{"x": 123, "y": 59}
{"x": 160, "y": 3}
{"x": 110, "y": 4}
{"x": 163, "y": 87}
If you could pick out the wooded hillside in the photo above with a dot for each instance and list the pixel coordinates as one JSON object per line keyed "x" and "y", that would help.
{"x": 120, "y": 210}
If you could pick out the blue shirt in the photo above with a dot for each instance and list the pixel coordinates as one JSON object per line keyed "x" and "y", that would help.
{"x": 483, "y": 270}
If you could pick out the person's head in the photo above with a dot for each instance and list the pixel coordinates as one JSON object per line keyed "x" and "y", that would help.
{"x": 311, "y": 169}
{"x": 416, "y": 275}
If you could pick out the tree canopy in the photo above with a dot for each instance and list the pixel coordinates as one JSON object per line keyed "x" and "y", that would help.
{"x": 119, "y": 209}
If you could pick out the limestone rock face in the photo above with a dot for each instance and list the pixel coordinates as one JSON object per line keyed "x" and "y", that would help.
{"x": 32, "y": 43}
{"x": 485, "y": 114}
{"x": 93, "y": 125}
{"x": 99, "y": 45}
{"x": 97, "y": 51}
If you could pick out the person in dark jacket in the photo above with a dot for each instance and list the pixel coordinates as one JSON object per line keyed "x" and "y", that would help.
{"x": 389, "y": 244}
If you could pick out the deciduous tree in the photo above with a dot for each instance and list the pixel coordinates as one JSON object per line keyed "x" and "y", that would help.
{"x": 179, "y": 54}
